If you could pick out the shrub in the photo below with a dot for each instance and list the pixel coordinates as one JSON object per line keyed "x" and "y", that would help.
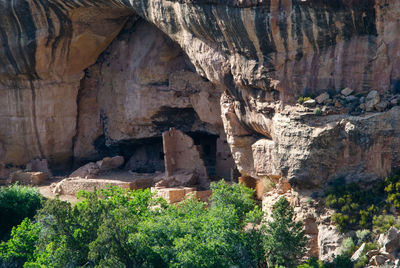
{"x": 392, "y": 189}
{"x": 355, "y": 207}
{"x": 348, "y": 246}
{"x": 122, "y": 228}
{"x": 382, "y": 223}
{"x": 363, "y": 236}
{"x": 302, "y": 99}
{"x": 16, "y": 203}
{"x": 312, "y": 263}
{"x": 20, "y": 248}
{"x": 317, "y": 111}
{"x": 285, "y": 240}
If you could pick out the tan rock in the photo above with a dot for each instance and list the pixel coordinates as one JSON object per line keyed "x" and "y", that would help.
{"x": 39, "y": 165}
{"x": 86, "y": 171}
{"x": 109, "y": 163}
{"x": 28, "y": 178}
{"x": 173, "y": 195}
{"x": 309, "y": 103}
{"x": 71, "y": 186}
{"x": 381, "y": 106}
{"x": 347, "y": 91}
{"x": 356, "y": 255}
{"x": 182, "y": 156}
{"x": 322, "y": 98}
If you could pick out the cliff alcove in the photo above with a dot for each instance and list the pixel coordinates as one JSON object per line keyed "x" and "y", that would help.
{"x": 84, "y": 80}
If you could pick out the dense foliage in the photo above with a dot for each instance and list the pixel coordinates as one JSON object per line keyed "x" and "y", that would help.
{"x": 16, "y": 203}
{"x": 365, "y": 208}
{"x": 120, "y": 228}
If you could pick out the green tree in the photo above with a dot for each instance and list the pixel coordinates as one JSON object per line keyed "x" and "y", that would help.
{"x": 16, "y": 203}
{"x": 20, "y": 248}
{"x": 284, "y": 240}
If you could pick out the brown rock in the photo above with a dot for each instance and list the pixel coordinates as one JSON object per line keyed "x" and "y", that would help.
{"x": 28, "y": 178}
{"x": 109, "y": 163}
{"x": 371, "y": 100}
{"x": 380, "y": 107}
{"x": 142, "y": 183}
{"x": 183, "y": 157}
{"x": 322, "y": 98}
{"x": 71, "y": 186}
{"x": 86, "y": 171}
{"x": 173, "y": 195}
{"x": 347, "y": 91}
{"x": 39, "y": 165}
{"x": 391, "y": 240}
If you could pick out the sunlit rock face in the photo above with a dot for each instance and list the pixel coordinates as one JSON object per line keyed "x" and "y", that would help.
{"x": 263, "y": 54}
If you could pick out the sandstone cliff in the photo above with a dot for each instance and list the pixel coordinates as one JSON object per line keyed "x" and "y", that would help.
{"x": 80, "y": 80}
{"x": 263, "y": 54}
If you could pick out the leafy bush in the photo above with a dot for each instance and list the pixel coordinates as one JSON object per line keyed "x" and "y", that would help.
{"x": 16, "y": 203}
{"x": 317, "y": 111}
{"x": 312, "y": 263}
{"x": 348, "y": 246}
{"x": 363, "y": 236}
{"x": 121, "y": 228}
{"x": 285, "y": 240}
{"x": 20, "y": 248}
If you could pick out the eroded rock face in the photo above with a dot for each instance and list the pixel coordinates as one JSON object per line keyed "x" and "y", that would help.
{"x": 262, "y": 54}
{"x": 56, "y": 105}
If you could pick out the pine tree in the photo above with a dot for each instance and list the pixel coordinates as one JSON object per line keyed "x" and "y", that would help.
{"x": 285, "y": 240}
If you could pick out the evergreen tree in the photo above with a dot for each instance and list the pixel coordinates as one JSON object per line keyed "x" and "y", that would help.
{"x": 285, "y": 240}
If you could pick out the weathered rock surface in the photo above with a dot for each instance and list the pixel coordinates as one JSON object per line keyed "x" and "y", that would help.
{"x": 71, "y": 186}
{"x": 169, "y": 67}
{"x": 28, "y": 178}
{"x": 263, "y": 56}
{"x": 390, "y": 241}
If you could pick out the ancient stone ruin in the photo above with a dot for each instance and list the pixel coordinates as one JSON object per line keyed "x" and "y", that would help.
{"x": 287, "y": 96}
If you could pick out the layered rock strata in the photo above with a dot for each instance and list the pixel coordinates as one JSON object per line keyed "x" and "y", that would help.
{"x": 60, "y": 101}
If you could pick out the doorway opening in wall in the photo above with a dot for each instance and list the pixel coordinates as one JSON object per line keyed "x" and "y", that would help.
{"x": 147, "y": 156}
{"x": 207, "y": 146}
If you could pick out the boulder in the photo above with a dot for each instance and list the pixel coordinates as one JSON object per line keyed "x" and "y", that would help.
{"x": 180, "y": 178}
{"x": 390, "y": 241}
{"x": 89, "y": 170}
{"x": 309, "y": 103}
{"x": 381, "y": 106}
{"x": 372, "y": 99}
{"x": 28, "y": 178}
{"x": 322, "y": 98}
{"x": 347, "y": 91}
{"x": 351, "y": 98}
{"x": 109, "y": 163}
{"x": 358, "y": 253}
{"x": 200, "y": 195}
{"x": 71, "y": 186}
{"x": 173, "y": 195}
